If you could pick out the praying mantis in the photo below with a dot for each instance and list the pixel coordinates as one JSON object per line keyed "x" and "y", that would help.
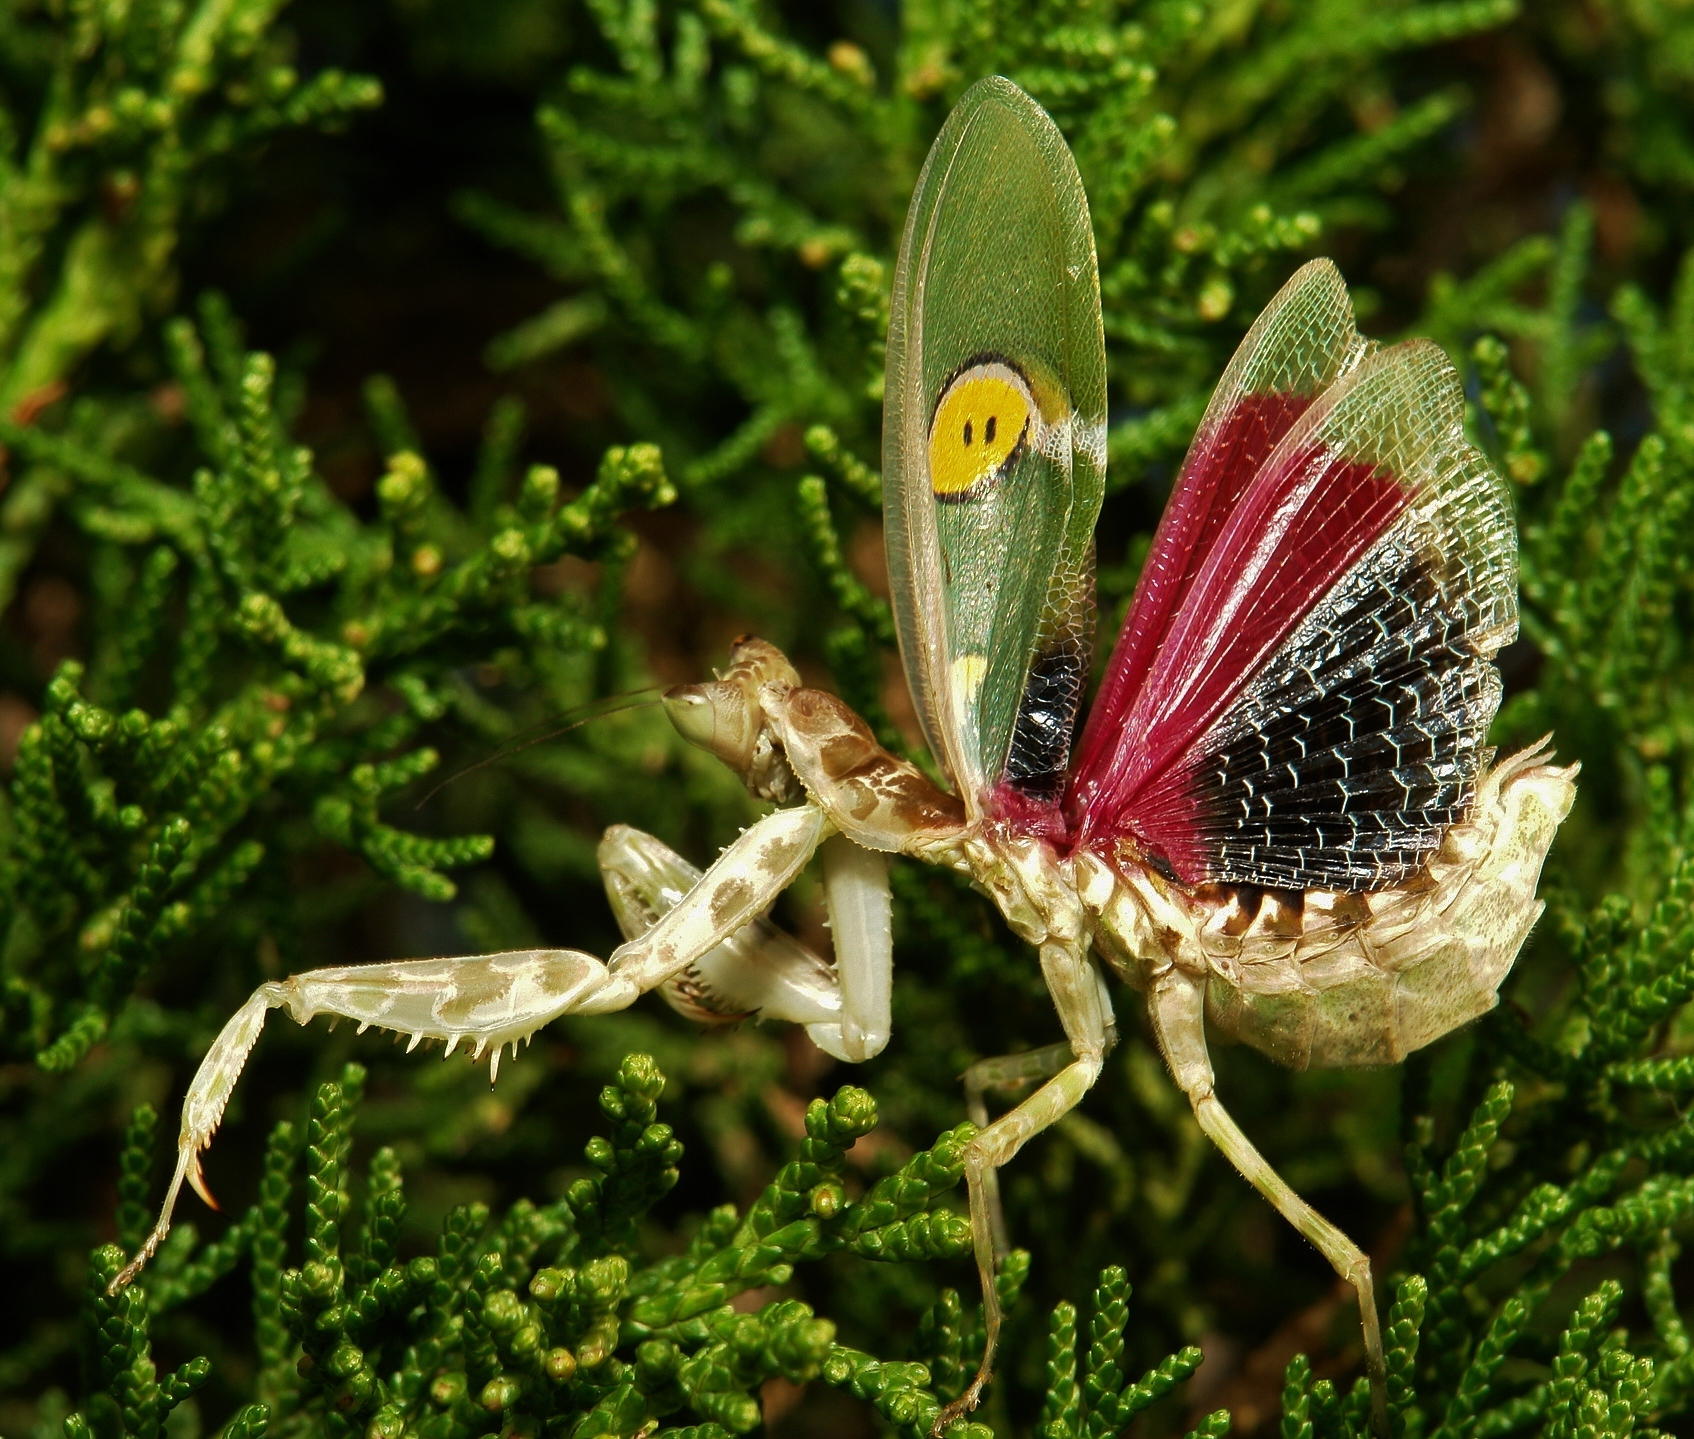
{"x": 1281, "y": 816}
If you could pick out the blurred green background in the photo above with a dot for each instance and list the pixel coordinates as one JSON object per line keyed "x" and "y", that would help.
{"x": 498, "y": 234}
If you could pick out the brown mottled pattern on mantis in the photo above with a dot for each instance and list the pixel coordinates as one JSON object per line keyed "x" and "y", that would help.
{"x": 1332, "y": 979}
{"x": 881, "y": 801}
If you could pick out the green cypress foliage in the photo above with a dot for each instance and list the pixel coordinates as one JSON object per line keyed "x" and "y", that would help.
{"x": 256, "y": 607}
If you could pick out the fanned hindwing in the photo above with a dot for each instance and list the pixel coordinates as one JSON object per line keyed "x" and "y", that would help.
{"x": 1317, "y": 713}
{"x": 1297, "y": 348}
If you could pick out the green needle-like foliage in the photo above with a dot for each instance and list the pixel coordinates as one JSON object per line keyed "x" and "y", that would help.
{"x": 397, "y": 395}
{"x": 132, "y": 830}
{"x": 548, "y": 1319}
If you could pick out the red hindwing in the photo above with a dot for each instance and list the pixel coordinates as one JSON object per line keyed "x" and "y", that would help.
{"x": 1303, "y": 685}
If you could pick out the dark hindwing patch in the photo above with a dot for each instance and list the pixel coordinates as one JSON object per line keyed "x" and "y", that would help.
{"x": 1347, "y": 760}
{"x": 1041, "y": 734}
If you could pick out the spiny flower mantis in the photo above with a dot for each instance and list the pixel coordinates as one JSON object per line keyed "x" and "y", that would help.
{"x": 1281, "y": 814}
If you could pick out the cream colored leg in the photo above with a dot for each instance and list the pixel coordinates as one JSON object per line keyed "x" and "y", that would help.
{"x": 1176, "y": 1004}
{"x": 1085, "y": 1010}
{"x": 1006, "y": 1072}
{"x": 737, "y": 889}
{"x": 855, "y": 889}
{"x": 495, "y": 999}
{"x": 758, "y": 971}
{"x": 487, "y": 1000}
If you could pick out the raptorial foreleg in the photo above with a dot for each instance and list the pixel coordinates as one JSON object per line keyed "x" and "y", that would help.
{"x": 488, "y": 1001}
{"x": 499, "y": 999}
{"x": 1176, "y": 1004}
{"x": 759, "y": 971}
{"x": 1085, "y": 1010}
{"x": 855, "y": 891}
{"x": 737, "y": 889}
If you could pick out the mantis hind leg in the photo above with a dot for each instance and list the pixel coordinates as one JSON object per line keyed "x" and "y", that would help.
{"x": 1177, "y": 1008}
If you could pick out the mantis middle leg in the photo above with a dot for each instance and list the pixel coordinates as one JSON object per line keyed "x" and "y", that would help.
{"x": 1007, "y": 1072}
{"x": 1085, "y": 1010}
{"x": 493, "y": 1000}
{"x": 1176, "y": 1005}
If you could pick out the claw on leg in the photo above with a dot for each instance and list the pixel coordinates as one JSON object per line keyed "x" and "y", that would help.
{"x": 197, "y": 1182}
{"x": 202, "y": 1111}
{"x": 495, "y": 999}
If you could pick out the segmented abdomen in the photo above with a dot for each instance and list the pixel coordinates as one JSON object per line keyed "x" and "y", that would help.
{"x": 1363, "y": 979}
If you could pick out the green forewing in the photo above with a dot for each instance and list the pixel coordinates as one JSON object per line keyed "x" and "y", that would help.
{"x": 996, "y": 268}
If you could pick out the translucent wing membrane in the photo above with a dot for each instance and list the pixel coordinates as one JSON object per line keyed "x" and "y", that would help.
{"x": 1296, "y": 349}
{"x": 1343, "y": 767}
{"x": 994, "y": 446}
{"x": 1316, "y": 712}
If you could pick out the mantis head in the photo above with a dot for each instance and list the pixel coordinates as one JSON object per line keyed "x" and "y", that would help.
{"x": 725, "y": 717}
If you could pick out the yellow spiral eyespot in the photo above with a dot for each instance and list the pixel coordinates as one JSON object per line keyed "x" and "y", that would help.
{"x": 981, "y": 424}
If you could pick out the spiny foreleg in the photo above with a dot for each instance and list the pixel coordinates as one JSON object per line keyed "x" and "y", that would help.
{"x": 494, "y": 1000}
{"x": 488, "y": 1001}
{"x": 760, "y": 972}
{"x": 736, "y": 890}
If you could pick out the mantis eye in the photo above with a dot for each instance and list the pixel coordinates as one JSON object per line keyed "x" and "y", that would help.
{"x": 725, "y": 717}
{"x": 718, "y": 717}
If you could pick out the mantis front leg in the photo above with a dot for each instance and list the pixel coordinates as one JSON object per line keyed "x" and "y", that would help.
{"x": 494, "y": 1000}
{"x": 855, "y": 890}
{"x": 759, "y": 971}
